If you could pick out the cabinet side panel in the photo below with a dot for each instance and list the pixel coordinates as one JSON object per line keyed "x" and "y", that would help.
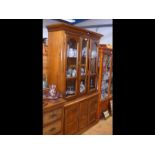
{"x": 56, "y": 60}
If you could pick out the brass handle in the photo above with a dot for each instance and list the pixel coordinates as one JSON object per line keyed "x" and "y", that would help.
{"x": 53, "y": 115}
{"x": 52, "y": 129}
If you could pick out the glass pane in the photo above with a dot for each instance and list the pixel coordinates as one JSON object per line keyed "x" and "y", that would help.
{"x": 82, "y": 86}
{"x": 105, "y": 76}
{"x": 83, "y": 57}
{"x": 92, "y": 82}
{"x": 71, "y": 58}
{"x": 93, "y": 58}
{"x": 71, "y": 69}
{"x": 71, "y": 87}
{"x": 83, "y": 65}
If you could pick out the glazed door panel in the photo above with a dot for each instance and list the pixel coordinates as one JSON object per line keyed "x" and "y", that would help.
{"x": 72, "y": 56}
{"x": 106, "y": 77}
{"x": 93, "y": 64}
{"x": 83, "y": 66}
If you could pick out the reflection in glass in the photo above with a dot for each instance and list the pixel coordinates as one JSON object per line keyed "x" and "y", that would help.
{"x": 82, "y": 86}
{"x": 70, "y": 87}
{"x": 93, "y": 57}
{"x": 92, "y": 82}
{"x": 106, "y": 76}
{"x": 71, "y": 68}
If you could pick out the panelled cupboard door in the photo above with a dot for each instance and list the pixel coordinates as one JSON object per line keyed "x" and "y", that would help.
{"x": 92, "y": 109}
{"x": 71, "y": 118}
{"x": 72, "y": 65}
{"x": 83, "y": 117}
{"x": 71, "y": 128}
{"x": 93, "y": 66}
{"x": 83, "y": 65}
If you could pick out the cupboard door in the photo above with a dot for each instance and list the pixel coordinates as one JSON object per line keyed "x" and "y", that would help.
{"x": 83, "y": 61}
{"x": 92, "y": 107}
{"x": 71, "y": 128}
{"x": 71, "y": 118}
{"x": 93, "y": 63}
{"x": 83, "y": 117}
{"x": 72, "y": 55}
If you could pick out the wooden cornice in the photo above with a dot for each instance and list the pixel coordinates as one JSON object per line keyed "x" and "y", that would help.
{"x": 73, "y": 29}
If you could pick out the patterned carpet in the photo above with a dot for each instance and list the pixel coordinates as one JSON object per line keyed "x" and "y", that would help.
{"x": 103, "y": 127}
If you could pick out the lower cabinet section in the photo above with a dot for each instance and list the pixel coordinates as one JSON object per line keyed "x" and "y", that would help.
{"x": 71, "y": 117}
{"x": 79, "y": 114}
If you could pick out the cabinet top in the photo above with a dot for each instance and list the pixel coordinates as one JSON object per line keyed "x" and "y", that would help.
{"x": 105, "y": 46}
{"x": 74, "y": 29}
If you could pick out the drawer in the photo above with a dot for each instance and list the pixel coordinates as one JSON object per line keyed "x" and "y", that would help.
{"x": 52, "y": 115}
{"x": 53, "y": 128}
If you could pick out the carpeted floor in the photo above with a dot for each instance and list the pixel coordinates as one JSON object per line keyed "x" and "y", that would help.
{"x": 103, "y": 127}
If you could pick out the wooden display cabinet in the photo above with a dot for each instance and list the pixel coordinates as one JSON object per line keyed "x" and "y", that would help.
{"x": 73, "y": 68}
{"x": 105, "y": 78}
{"x": 72, "y": 60}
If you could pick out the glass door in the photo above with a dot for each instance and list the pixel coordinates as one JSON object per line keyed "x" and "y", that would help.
{"x": 72, "y": 66}
{"x": 83, "y": 66}
{"x": 105, "y": 75}
{"x": 93, "y": 56}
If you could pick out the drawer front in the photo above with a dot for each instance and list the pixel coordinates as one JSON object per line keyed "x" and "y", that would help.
{"x": 53, "y": 128}
{"x": 71, "y": 113}
{"x": 52, "y": 115}
{"x": 71, "y": 128}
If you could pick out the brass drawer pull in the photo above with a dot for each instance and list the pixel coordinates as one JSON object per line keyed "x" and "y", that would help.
{"x": 52, "y": 129}
{"x": 53, "y": 115}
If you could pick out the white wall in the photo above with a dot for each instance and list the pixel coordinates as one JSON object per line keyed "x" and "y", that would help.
{"x": 106, "y": 31}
